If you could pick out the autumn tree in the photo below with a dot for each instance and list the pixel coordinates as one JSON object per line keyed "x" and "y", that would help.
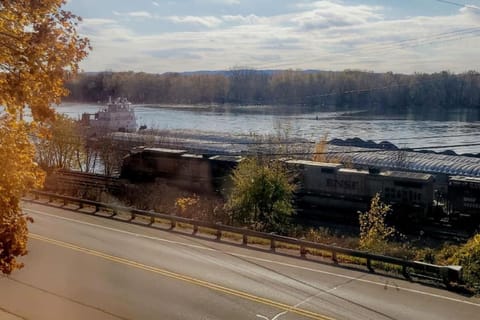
{"x": 16, "y": 176}
{"x": 111, "y": 152}
{"x": 39, "y": 49}
{"x": 63, "y": 148}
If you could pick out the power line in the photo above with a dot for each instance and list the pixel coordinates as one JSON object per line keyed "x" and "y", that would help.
{"x": 457, "y": 4}
{"x": 386, "y": 46}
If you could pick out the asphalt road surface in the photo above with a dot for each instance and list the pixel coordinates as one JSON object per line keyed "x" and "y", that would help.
{"x": 87, "y": 267}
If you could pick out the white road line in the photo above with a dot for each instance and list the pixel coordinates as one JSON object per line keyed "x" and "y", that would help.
{"x": 274, "y": 318}
{"x": 277, "y": 316}
{"x": 433, "y": 295}
{"x": 120, "y": 231}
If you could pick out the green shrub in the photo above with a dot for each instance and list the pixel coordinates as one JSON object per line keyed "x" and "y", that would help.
{"x": 468, "y": 256}
{"x": 262, "y": 195}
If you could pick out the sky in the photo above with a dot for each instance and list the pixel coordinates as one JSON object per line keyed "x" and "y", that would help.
{"x": 404, "y": 36}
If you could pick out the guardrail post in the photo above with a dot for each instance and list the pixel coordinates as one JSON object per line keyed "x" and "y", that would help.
{"x": 80, "y": 205}
{"x": 173, "y": 224}
{"x": 97, "y": 208}
{"x": 219, "y": 234}
{"x": 334, "y": 257}
{"x": 405, "y": 272}
{"x": 36, "y": 196}
{"x": 50, "y": 199}
{"x": 195, "y": 229}
{"x": 303, "y": 251}
{"x": 132, "y": 215}
{"x": 65, "y": 202}
{"x": 245, "y": 240}
{"x": 369, "y": 265}
{"x": 272, "y": 245}
{"x": 152, "y": 220}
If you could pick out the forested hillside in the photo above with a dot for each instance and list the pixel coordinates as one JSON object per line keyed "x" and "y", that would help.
{"x": 332, "y": 90}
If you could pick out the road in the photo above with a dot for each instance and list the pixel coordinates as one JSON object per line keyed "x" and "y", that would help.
{"x": 86, "y": 267}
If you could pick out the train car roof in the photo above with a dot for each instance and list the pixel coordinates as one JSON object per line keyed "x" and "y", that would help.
{"x": 226, "y": 158}
{"x": 409, "y": 160}
{"x": 406, "y": 175}
{"x": 316, "y": 164}
{"x": 355, "y": 171}
{"x": 165, "y": 151}
{"x": 464, "y": 179}
{"x": 191, "y": 155}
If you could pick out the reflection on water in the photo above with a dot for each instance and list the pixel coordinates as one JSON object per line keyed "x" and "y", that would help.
{"x": 411, "y": 130}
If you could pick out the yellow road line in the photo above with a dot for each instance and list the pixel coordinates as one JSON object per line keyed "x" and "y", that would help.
{"x": 177, "y": 276}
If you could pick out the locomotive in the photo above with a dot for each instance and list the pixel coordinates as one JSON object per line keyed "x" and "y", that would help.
{"x": 346, "y": 191}
{"x": 324, "y": 189}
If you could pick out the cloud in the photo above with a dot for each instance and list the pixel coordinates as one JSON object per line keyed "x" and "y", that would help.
{"x": 155, "y": 3}
{"x": 224, "y": 2}
{"x": 177, "y": 53}
{"x": 190, "y": 53}
{"x": 241, "y": 19}
{"x": 205, "y": 21}
{"x": 278, "y": 43}
{"x": 326, "y": 14}
{"x": 324, "y": 35}
{"x": 471, "y": 12}
{"x": 134, "y": 14}
{"x": 94, "y": 26}
{"x": 97, "y": 21}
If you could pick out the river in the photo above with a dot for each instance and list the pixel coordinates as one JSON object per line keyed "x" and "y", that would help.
{"x": 458, "y": 127}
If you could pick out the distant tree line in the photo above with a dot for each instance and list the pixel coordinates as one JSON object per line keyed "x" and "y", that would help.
{"x": 331, "y": 90}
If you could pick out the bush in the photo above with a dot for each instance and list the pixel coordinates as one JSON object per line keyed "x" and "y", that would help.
{"x": 374, "y": 232}
{"x": 468, "y": 256}
{"x": 262, "y": 195}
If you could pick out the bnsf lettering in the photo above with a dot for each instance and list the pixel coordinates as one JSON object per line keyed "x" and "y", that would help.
{"x": 345, "y": 184}
{"x": 468, "y": 199}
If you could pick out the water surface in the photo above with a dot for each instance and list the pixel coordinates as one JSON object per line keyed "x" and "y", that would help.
{"x": 411, "y": 130}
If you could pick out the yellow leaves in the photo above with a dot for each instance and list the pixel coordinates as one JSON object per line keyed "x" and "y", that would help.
{"x": 39, "y": 45}
{"x": 468, "y": 256}
{"x": 185, "y": 203}
{"x": 374, "y": 232}
{"x": 321, "y": 148}
{"x": 18, "y": 173}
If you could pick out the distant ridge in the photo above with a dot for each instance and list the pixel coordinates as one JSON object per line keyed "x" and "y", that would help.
{"x": 231, "y": 72}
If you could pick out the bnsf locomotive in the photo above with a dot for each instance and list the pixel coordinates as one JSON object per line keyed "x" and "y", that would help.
{"x": 339, "y": 192}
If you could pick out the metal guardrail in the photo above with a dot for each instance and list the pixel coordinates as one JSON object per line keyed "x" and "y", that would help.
{"x": 447, "y": 274}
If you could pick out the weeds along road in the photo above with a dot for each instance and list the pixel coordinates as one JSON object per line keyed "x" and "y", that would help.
{"x": 86, "y": 267}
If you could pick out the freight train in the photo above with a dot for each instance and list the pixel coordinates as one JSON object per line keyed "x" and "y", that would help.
{"x": 324, "y": 189}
